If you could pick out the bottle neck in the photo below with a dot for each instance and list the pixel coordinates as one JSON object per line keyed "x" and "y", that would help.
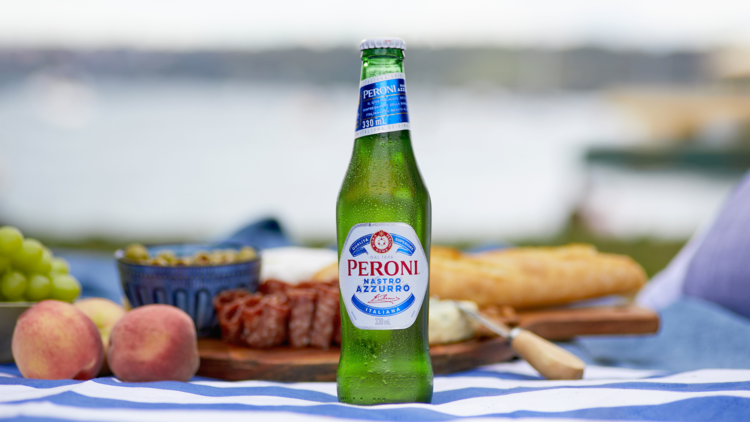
{"x": 382, "y": 61}
{"x": 382, "y": 109}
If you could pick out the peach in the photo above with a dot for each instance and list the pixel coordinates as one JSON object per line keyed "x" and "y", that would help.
{"x": 55, "y": 340}
{"x": 154, "y": 343}
{"x": 105, "y": 314}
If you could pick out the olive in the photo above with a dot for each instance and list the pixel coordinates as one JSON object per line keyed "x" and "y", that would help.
{"x": 168, "y": 256}
{"x": 202, "y": 258}
{"x": 136, "y": 252}
{"x": 246, "y": 254}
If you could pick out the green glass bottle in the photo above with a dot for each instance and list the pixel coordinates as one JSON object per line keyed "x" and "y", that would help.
{"x": 383, "y": 228}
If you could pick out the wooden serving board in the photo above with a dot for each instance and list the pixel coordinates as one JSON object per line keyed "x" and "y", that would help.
{"x": 231, "y": 362}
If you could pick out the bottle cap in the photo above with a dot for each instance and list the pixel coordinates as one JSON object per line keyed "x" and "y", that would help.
{"x": 382, "y": 43}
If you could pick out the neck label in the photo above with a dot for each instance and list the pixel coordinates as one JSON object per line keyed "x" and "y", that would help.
{"x": 383, "y": 276}
{"x": 382, "y": 105}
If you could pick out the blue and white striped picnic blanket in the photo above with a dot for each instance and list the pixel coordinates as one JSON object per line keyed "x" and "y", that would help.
{"x": 508, "y": 390}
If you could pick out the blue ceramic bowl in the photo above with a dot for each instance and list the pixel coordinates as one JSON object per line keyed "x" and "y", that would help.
{"x": 189, "y": 288}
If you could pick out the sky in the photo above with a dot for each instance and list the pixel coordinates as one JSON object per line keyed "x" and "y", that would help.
{"x": 242, "y": 24}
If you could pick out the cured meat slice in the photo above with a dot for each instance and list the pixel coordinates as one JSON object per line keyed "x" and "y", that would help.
{"x": 272, "y": 286}
{"x": 327, "y": 305}
{"x": 305, "y": 314}
{"x": 302, "y": 304}
{"x": 228, "y": 306}
{"x": 316, "y": 284}
{"x": 230, "y": 321}
{"x": 251, "y": 321}
{"x": 265, "y": 323}
{"x": 228, "y": 296}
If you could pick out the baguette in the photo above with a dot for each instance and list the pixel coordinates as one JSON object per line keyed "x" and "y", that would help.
{"x": 532, "y": 277}
{"x": 526, "y": 277}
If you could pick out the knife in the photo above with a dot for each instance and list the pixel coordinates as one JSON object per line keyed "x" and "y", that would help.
{"x": 549, "y": 359}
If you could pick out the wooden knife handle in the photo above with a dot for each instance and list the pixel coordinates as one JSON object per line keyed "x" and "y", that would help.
{"x": 552, "y": 361}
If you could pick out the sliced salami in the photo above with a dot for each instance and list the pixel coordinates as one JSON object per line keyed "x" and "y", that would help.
{"x": 327, "y": 305}
{"x": 302, "y": 304}
{"x": 272, "y": 286}
{"x": 228, "y": 306}
{"x": 266, "y": 327}
{"x": 302, "y": 315}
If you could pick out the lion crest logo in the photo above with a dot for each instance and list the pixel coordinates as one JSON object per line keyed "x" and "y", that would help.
{"x": 381, "y": 242}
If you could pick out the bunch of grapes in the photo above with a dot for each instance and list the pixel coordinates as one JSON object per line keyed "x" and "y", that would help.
{"x": 29, "y": 272}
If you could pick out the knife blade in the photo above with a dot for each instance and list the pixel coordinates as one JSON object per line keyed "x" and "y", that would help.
{"x": 500, "y": 329}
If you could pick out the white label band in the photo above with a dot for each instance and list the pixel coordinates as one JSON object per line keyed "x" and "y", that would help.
{"x": 383, "y": 276}
{"x": 381, "y": 78}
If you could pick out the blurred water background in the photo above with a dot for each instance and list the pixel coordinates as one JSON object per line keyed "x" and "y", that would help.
{"x": 623, "y": 144}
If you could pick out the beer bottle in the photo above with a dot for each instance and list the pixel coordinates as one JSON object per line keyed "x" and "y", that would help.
{"x": 383, "y": 229}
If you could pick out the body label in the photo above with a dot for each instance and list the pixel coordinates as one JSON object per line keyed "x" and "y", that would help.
{"x": 383, "y": 276}
{"x": 382, "y": 105}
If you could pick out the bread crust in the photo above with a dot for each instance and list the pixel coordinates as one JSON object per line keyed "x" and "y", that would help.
{"x": 526, "y": 277}
{"x": 533, "y": 277}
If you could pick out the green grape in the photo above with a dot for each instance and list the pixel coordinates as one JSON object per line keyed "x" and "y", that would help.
{"x": 28, "y": 254}
{"x": 60, "y": 266}
{"x": 44, "y": 265}
{"x": 65, "y": 287}
{"x": 13, "y": 285}
{"x": 4, "y": 264}
{"x": 39, "y": 288}
{"x": 10, "y": 239}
